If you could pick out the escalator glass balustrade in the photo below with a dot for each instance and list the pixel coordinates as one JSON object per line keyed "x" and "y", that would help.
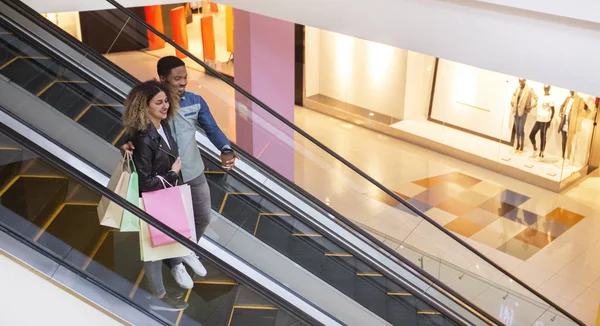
{"x": 57, "y": 213}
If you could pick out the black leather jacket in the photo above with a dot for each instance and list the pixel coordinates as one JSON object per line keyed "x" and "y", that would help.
{"x": 152, "y": 158}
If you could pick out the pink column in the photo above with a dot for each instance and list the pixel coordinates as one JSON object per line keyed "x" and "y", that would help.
{"x": 264, "y": 66}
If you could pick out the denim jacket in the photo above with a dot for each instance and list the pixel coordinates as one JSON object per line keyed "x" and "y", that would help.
{"x": 194, "y": 107}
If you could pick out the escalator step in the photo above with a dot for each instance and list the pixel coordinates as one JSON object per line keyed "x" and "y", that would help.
{"x": 32, "y": 74}
{"x": 34, "y": 200}
{"x": 274, "y": 232}
{"x": 339, "y": 272}
{"x": 369, "y": 295}
{"x": 60, "y": 236}
{"x": 242, "y": 209}
{"x": 67, "y": 98}
{"x": 206, "y": 300}
{"x": 253, "y": 316}
{"x": 116, "y": 262}
{"x": 98, "y": 120}
{"x": 12, "y": 47}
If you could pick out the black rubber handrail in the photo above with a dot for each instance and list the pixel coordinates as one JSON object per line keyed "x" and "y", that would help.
{"x": 344, "y": 161}
{"x": 139, "y": 213}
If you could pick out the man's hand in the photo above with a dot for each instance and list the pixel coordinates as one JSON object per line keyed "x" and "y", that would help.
{"x": 228, "y": 160}
{"x": 126, "y": 147}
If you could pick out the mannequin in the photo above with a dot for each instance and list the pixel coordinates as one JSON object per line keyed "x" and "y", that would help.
{"x": 523, "y": 100}
{"x": 570, "y": 112}
{"x": 545, "y": 114}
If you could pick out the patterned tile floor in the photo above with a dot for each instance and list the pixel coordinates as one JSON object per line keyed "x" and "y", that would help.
{"x": 475, "y": 210}
{"x": 550, "y": 241}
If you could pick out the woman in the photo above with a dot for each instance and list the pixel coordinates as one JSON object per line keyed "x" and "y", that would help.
{"x": 147, "y": 110}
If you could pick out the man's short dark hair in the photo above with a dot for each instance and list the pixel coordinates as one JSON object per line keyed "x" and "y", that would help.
{"x": 168, "y": 63}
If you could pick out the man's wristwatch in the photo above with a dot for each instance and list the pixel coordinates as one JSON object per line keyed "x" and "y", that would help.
{"x": 227, "y": 151}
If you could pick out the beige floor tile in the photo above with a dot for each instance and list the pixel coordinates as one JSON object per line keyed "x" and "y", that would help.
{"x": 589, "y": 299}
{"x": 586, "y": 314}
{"x": 488, "y": 189}
{"x": 531, "y": 274}
{"x": 409, "y": 189}
{"x": 563, "y": 287}
{"x": 506, "y": 227}
{"x": 472, "y": 197}
{"x": 440, "y": 216}
{"x": 583, "y": 276}
{"x": 491, "y": 238}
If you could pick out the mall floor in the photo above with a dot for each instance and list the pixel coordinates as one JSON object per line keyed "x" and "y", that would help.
{"x": 550, "y": 241}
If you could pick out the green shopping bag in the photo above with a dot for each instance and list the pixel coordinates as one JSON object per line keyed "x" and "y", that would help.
{"x": 130, "y": 222}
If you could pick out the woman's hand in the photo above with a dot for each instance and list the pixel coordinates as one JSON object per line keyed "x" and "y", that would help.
{"x": 177, "y": 165}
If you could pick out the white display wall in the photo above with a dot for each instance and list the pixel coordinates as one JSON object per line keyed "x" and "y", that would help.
{"x": 362, "y": 73}
{"x": 478, "y": 100}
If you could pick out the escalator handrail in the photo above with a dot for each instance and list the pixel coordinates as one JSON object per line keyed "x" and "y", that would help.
{"x": 352, "y": 167}
{"x": 142, "y": 215}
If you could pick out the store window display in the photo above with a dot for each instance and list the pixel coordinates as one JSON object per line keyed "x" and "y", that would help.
{"x": 522, "y": 128}
{"x": 563, "y": 120}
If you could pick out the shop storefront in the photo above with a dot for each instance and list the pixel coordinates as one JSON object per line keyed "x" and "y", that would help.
{"x": 541, "y": 134}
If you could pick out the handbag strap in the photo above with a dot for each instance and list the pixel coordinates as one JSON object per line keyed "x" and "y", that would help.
{"x": 165, "y": 182}
{"x": 128, "y": 157}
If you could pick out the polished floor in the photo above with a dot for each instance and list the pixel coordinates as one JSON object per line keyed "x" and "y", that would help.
{"x": 550, "y": 241}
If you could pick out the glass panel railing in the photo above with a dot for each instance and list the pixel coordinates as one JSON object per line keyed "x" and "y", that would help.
{"x": 70, "y": 94}
{"x": 282, "y": 147}
{"x": 56, "y": 211}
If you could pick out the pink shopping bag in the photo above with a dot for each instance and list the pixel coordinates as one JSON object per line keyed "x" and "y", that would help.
{"x": 167, "y": 206}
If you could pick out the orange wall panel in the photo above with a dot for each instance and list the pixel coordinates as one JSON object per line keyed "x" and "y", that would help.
{"x": 208, "y": 38}
{"x": 229, "y": 28}
{"x": 154, "y": 18}
{"x": 179, "y": 29}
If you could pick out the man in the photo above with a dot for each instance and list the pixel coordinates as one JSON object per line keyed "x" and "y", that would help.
{"x": 193, "y": 108}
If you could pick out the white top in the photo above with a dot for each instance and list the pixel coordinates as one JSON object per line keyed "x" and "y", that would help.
{"x": 544, "y": 111}
{"x": 567, "y": 111}
{"x": 161, "y": 132}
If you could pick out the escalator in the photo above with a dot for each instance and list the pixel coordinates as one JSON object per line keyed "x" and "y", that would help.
{"x": 390, "y": 287}
{"x": 54, "y": 211}
{"x": 85, "y": 103}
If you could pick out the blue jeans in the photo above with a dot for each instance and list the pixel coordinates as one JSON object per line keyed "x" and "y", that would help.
{"x": 520, "y": 129}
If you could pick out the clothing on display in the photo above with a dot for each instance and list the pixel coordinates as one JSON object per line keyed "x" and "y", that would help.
{"x": 523, "y": 101}
{"x": 545, "y": 114}
{"x": 571, "y": 112}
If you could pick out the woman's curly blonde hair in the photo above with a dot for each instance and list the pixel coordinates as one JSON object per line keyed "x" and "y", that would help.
{"x": 136, "y": 117}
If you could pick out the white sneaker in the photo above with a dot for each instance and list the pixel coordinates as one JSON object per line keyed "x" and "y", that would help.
{"x": 182, "y": 277}
{"x": 195, "y": 264}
